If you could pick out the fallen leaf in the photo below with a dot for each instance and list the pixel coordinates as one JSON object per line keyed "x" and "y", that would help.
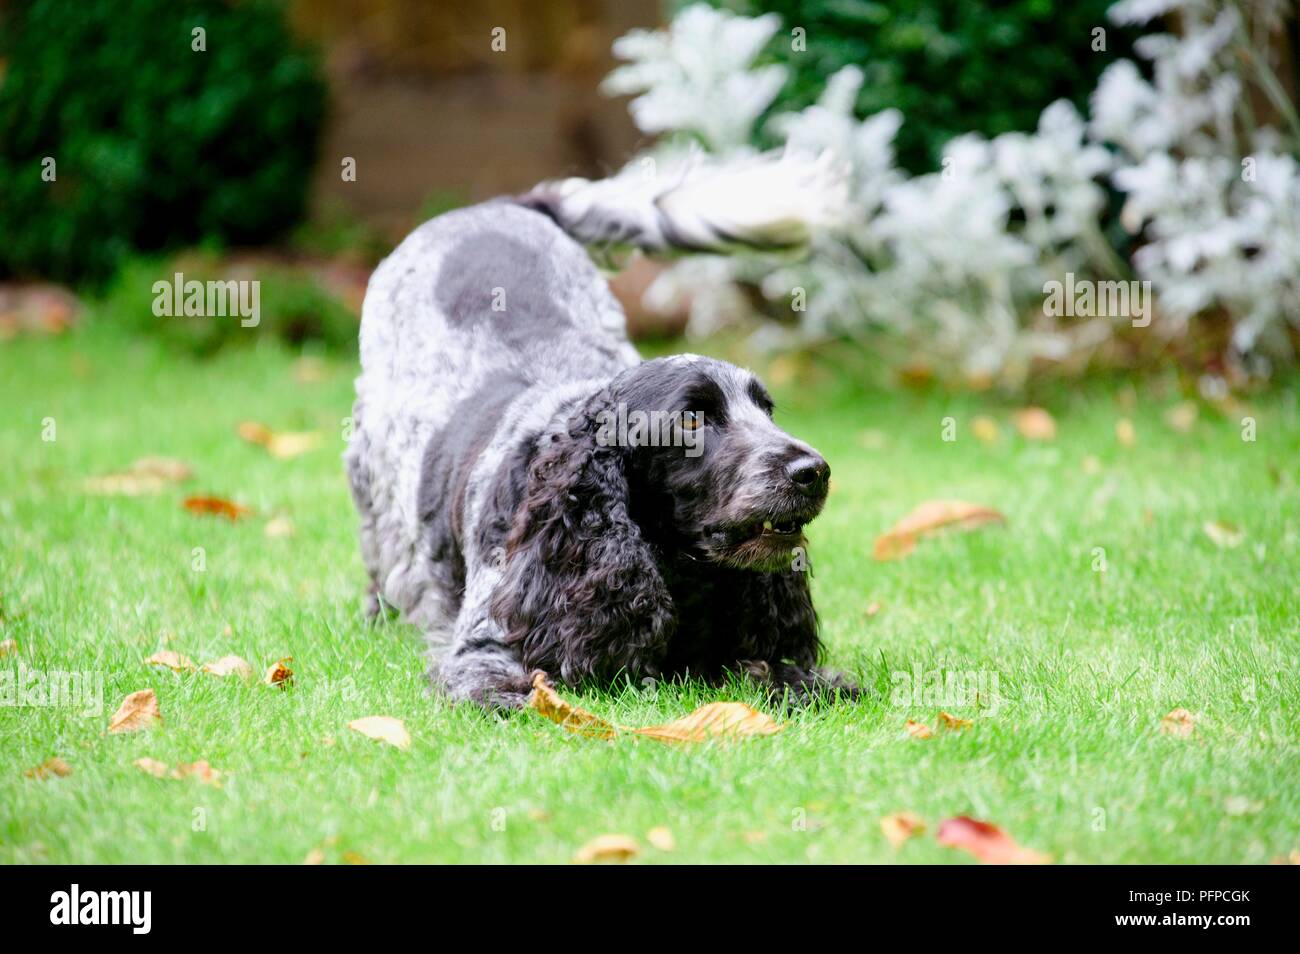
{"x": 49, "y": 769}
{"x": 174, "y": 661}
{"x": 1091, "y": 466}
{"x": 151, "y": 766}
{"x": 917, "y": 730}
{"x": 314, "y": 857}
{"x": 137, "y": 712}
{"x": 384, "y": 728}
{"x": 989, "y": 843}
{"x": 8, "y": 647}
{"x": 661, "y": 837}
{"x": 278, "y": 674}
{"x": 873, "y": 608}
{"x": 607, "y": 848}
{"x": 1226, "y": 536}
{"x": 279, "y": 528}
{"x": 217, "y": 507}
{"x": 985, "y": 429}
{"x": 713, "y": 721}
{"x": 952, "y": 722}
{"x": 1179, "y": 723}
{"x": 283, "y": 445}
{"x": 354, "y": 858}
{"x": 1182, "y": 417}
{"x": 1035, "y": 424}
{"x": 199, "y": 770}
{"x": 148, "y": 475}
{"x": 928, "y": 518}
{"x": 901, "y": 826}
{"x": 230, "y": 666}
{"x": 1125, "y": 432}
{"x": 310, "y": 370}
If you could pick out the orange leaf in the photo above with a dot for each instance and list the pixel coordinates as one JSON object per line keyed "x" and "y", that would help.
{"x": 928, "y": 518}
{"x": 138, "y": 711}
{"x": 1035, "y": 424}
{"x": 49, "y": 769}
{"x": 952, "y": 722}
{"x": 174, "y": 661}
{"x": 151, "y": 766}
{"x": 989, "y": 843}
{"x": 549, "y": 703}
{"x": 1179, "y": 723}
{"x": 917, "y": 730}
{"x": 217, "y": 507}
{"x": 901, "y": 826}
{"x": 282, "y": 445}
{"x": 279, "y": 674}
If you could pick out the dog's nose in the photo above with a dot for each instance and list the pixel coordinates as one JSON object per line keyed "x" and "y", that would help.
{"x": 810, "y": 474}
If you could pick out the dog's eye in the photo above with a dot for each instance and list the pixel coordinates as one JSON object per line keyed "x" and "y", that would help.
{"x": 692, "y": 420}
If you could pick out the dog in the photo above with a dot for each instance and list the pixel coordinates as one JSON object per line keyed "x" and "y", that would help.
{"x": 506, "y": 508}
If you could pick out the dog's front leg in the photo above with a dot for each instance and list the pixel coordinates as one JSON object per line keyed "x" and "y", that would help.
{"x": 479, "y": 666}
{"x": 800, "y": 685}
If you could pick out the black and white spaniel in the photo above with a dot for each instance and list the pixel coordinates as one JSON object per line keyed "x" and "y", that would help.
{"x": 534, "y": 496}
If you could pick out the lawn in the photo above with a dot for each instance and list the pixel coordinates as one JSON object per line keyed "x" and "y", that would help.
{"x": 1076, "y": 665}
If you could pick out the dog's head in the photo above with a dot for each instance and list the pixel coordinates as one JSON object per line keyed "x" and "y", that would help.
{"x": 708, "y": 467}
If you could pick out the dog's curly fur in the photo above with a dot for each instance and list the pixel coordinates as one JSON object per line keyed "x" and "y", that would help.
{"x": 498, "y": 515}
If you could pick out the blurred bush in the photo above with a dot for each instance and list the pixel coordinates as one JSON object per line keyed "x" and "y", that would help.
{"x": 155, "y": 144}
{"x": 952, "y": 67}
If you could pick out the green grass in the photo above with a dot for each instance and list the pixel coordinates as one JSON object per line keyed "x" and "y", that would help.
{"x": 1072, "y": 762}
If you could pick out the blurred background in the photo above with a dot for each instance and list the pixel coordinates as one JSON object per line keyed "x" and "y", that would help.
{"x": 993, "y": 148}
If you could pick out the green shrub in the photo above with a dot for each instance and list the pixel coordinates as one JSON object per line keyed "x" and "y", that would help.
{"x": 951, "y": 66}
{"x": 156, "y": 144}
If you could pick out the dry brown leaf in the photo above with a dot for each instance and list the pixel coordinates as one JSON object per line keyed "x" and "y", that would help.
{"x": 1179, "y": 723}
{"x": 985, "y": 429}
{"x": 989, "y": 843}
{"x": 1226, "y": 536}
{"x": 1125, "y": 432}
{"x": 217, "y": 507}
{"x": 354, "y": 858}
{"x": 148, "y": 475}
{"x": 1035, "y": 424}
{"x": 8, "y": 647}
{"x": 549, "y": 703}
{"x": 137, "y": 712}
{"x": 607, "y": 848}
{"x": 713, "y": 721}
{"x": 952, "y": 722}
{"x": 283, "y": 445}
{"x": 174, "y": 661}
{"x": 928, "y": 518}
{"x": 230, "y": 666}
{"x": 278, "y": 674}
{"x": 1182, "y": 417}
{"x": 199, "y": 770}
{"x": 50, "y": 768}
{"x": 383, "y": 728}
{"x": 661, "y": 837}
{"x": 901, "y": 826}
{"x": 917, "y": 730}
{"x": 151, "y": 766}
{"x": 279, "y": 528}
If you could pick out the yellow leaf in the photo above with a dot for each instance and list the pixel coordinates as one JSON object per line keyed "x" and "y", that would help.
{"x": 148, "y": 475}
{"x": 928, "y": 518}
{"x": 230, "y": 666}
{"x": 713, "y": 721}
{"x": 1182, "y": 417}
{"x": 1035, "y": 424}
{"x": 1225, "y": 535}
{"x": 50, "y": 768}
{"x": 8, "y": 647}
{"x": 662, "y": 838}
{"x": 279, "y": 528}
{"x": 282, "y": 445}
{"x": 607, "y": 848}
{"x": 952, "y": 722}
{"x": 1179, "y": 723}
{"x": 917, "y": 730}
{"x": 901, "y": 826}
{"x": 199, "y": 770}
{"x": 137, "y": 712}
{"x": 985, "y": 429}
{"x": 278, "y": 674}
{"x": 384, "y": 728}
{"x": 151, "y": 766}
{"x": 1125, "y": 432}
{"x": 174, "y": 661}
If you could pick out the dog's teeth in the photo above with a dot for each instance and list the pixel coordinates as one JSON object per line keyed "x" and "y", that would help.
{"x": 767, "y": 524}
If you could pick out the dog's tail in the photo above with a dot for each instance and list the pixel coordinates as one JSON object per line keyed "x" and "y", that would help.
{"x": 765, "y": 201}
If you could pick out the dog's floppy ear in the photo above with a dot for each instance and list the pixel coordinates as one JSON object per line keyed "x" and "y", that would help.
{"x": 581, "y": 593}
